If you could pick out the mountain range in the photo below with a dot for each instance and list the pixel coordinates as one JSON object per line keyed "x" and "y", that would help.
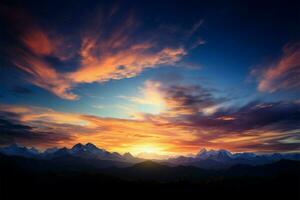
{"x": 87, "y": 151}
{"x": 218, "y": 159}
{"x": 98, "y": 157}
{"x": 87, "y": 171}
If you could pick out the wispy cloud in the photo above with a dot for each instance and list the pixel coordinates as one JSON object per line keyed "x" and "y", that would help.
{"x": 283, "y": 74}
{"x": 175, "y": 99}
{"x": 42, "y": 74}
{"x": 150, "y": 94}
{"x": 104, "y": 51}
{"x": 35, "y": 45}
{"x": 183, "y": 127}
{"x": 98, "y": 106}
{"x": 65, "y": 129}
{"x": 14, "y": 130}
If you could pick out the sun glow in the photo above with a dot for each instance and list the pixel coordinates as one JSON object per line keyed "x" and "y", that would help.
{"x": 150, "y": 151}
{"x": 146, "y": 148}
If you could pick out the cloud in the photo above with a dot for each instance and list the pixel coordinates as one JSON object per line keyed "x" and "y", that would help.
{"x": 189, "y": 99}
{"x": 15, "y": 131}
{"x": 121, "y": 64}
{"x": 279, "y": 116}
{"x": 283, "y": 74}
{"x": 150, "y": 94}
{"x": 98, "y": 52}
{"x": 42, "y": 74}
{"x": 98, "y": 106}
{"x": 257, "y": 126}
{"x": 53, "y": 128}
{"x": 196, "y": 111}
{"x": 34, "y": 45}
{"x": 171, "y": 99}
{"x": 175, "y": 99}
{"x": 38, "y": 42}
{"x": 119, "y": 54}
{"x": 190, "y": 117}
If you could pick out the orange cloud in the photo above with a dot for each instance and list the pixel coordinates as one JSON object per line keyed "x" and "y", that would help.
{"x": 104, "y": 60}
{"x": 42, "y": 74}
{"x": 151, "y": 94}
{"x": 38, "y": 42}
{"x": 284, "y": 74}
{"x": 46, "y": 127}
{"x": 103, "y": 55}
{"x": 42, "y": 43}
{"x": 226, "y": 118}
{"x": 112, "y": 134}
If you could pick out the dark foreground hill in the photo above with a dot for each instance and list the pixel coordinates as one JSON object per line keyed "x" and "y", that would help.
{"x": 34, "y": 178}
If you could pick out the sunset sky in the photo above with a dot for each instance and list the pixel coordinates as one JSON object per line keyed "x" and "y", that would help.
{"x": 163, "y": 77}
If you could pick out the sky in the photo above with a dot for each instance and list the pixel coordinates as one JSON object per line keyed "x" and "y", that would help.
{"x": 160, "y": 77}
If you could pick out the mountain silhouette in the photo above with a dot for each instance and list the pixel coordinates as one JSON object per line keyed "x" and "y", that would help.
{"x": 70, "y": 176}
{"x": 98, "y": 157}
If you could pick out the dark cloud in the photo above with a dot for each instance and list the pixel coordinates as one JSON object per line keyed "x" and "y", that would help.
{"x": 215, "y": 121}
{"x": 272, "y": 146}
{"x": 11, "y": 130}
{"x": 184, "y": 99}
{"x": 256, "y": 126}
{"x": 14, "y": 131}
{"x": 280, "y": 116}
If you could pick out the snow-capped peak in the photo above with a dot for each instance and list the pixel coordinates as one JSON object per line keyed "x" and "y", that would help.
{"x": 214, "y": 154}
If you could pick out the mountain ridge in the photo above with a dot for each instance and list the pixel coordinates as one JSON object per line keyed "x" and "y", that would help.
{"x": 206, "y": 159}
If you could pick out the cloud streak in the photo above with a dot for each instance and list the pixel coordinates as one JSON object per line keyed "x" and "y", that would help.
{"x": 97, "y": 53}
{"x": 15, "y": 131}
{"x": 176, "y": 99}
{"x": 261, "y": 124}
{"x": 257, "y": 126}
{"x": 283, "y": 74}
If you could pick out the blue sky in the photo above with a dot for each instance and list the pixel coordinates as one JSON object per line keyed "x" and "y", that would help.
{"x": 130, "y": 59}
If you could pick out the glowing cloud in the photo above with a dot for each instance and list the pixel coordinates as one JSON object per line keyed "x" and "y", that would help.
{"x": 253, "y": 127}
{"x": 42, "y": 74}
{"x": 284, "y": 74}
{"x": 112, "y": 53}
